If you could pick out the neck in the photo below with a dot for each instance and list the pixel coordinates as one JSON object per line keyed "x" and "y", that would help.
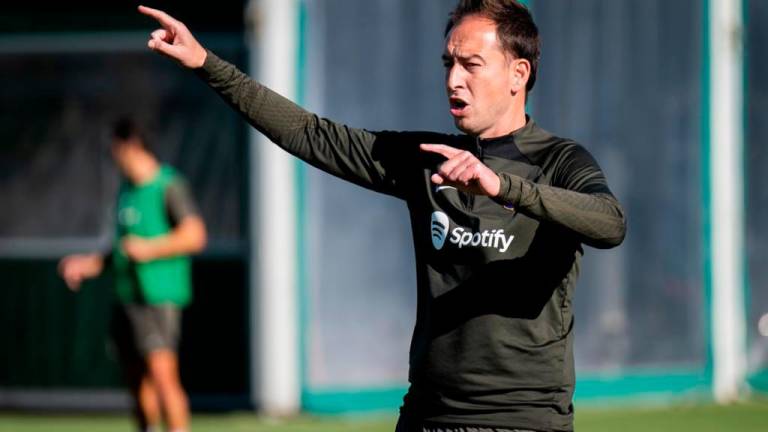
{"x": 514, "y": 120}
{"x": 143, "y": 171}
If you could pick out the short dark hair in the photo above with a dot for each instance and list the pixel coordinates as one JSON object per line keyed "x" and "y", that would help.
{"x": 125, "y": 128}
{"x": 515, "y": 28}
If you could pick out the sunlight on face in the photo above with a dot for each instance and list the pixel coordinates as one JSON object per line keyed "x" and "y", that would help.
{"x": 125, "y": 154}
{"x": 478, "y": 78}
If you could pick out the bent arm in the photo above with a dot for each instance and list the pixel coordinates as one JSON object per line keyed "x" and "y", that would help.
{"x": 186, "y": 238}
{"x": 597, "y": 218}
{"x": 579, "y": 200}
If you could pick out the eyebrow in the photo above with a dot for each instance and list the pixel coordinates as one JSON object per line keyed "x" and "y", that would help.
{"x": 446, "y": 56}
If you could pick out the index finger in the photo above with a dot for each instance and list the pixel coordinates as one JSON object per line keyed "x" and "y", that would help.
{"x": 441, "y": 149}
{"x": 163, "y": 18}
{"x": 61, "y": 266}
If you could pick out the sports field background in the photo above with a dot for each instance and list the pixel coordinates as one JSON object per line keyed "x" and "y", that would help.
{"x": 742, "y": 417}
{"x": 631, "y": 80}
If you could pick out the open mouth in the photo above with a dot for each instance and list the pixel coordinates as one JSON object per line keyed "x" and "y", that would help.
{"x": 458, "y": 106}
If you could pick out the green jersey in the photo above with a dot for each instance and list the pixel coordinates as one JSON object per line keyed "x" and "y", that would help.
{"x": 142, "y": 211}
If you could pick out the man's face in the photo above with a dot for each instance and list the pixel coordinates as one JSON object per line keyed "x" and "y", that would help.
{"x": 478, "y": 78}
{"x": 123, "y": 153}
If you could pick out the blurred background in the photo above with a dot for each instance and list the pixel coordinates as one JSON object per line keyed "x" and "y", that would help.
{"x": 670, "y": 97}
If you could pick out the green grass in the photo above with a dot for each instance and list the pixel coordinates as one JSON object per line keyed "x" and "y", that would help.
{"x": 744, "y": 417}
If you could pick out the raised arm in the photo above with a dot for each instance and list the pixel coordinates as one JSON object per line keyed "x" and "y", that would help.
{"x": 352, "y": 154}
{"x": 174, "y": 40}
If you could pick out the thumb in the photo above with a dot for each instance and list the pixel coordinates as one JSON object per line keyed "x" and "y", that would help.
{"x": 74, "y": 285}
{"x": 162, "y": 47}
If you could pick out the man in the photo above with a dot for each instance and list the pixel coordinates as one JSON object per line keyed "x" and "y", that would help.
{"x": 157, "y": 228}
{"x": 498, "y": 214}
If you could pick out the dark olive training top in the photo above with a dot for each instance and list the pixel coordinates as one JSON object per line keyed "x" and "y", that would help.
{"x": 493, "y": 341}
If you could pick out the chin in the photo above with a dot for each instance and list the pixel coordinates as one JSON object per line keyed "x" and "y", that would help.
{"x": 462, "y": 125}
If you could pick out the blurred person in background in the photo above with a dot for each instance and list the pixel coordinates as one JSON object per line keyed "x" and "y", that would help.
{"x": 158, "y": 226}
{"x": 499, "y": 215}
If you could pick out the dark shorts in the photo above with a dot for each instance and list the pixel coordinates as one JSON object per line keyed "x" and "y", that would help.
{"x": 404, "y": 425}
{"x": 139, "y": 330}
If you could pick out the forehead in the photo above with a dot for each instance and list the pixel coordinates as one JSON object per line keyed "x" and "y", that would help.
{"x": 119, "y": 143}
{"x": 473, "y": 35}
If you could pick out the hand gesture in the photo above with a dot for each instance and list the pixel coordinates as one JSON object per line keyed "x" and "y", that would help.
{"x": 463, "y": 171}
{"x": 74, "y": 269}
{"x": 174, "y": 40}
{"x": 138, "y": 249}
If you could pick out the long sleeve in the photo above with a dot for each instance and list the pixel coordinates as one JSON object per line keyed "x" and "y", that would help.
{"x": 578, "y": 199}
{"x": 351, "y": 154}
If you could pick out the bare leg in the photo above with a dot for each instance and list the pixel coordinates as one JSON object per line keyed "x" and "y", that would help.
{"x": 149, "y": 403}
{"x": 146, "y": 404}
{"x": 164, "y": 370}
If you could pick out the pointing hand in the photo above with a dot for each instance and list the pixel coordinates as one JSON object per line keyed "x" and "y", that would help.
{"x": 174, "y": 40}
{"x": 464, "y": 171}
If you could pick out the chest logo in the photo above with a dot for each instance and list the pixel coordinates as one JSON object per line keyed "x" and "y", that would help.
{"x": 465, "y": 237}
{"x": 439, "y": 229}
{"x": 129, "y": 216}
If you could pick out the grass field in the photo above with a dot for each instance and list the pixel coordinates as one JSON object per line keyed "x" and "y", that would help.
{"x": 744, "y": 417}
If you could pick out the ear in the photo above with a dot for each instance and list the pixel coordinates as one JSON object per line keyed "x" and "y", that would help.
{"x": 520, "y": 69}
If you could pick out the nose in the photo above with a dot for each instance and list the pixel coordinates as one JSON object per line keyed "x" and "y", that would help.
{"x": 454, "y": 79}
